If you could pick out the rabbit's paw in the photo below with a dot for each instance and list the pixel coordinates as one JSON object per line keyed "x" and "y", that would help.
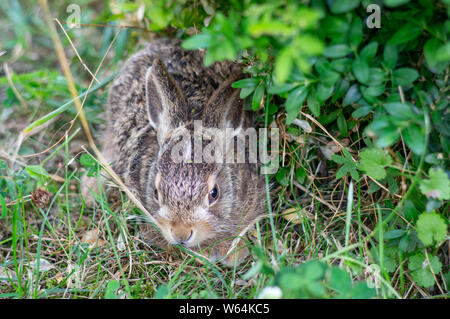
{"x": 235, "y": 257}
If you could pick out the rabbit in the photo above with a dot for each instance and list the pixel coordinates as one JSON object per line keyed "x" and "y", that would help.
{"x": 160, "y": 93}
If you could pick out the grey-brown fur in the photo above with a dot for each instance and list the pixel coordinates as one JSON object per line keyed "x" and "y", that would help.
{"x": 142, "y": 130}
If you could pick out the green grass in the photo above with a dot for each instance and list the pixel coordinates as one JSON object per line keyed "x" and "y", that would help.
{"x": 333, "y": 229}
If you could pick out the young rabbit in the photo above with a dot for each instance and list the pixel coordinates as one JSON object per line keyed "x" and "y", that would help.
{"x": 155, "y": 100}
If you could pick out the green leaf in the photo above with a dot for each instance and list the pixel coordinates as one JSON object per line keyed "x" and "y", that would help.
{"x": 443, "y": 53}
{"x": 329, "y": 78}
{"x": 36, "y": 172}
{"x": 340, "y": 281}
{"x": 226, "y": 51}
{"x": 360, "y": 69}
{"x": 199, "y": 41}
{"x": 389, "y": 257}
{"x": 373, "y": 161}
{"x": 159, "y": 17}
{"x": 422, "y": 269}
{"x": 281, "y": 176}
{"x": 341, "y": 6}
{"x": 162, "y": 292}
{"x": 253, "y": 271}
{"x": 395, "y": 233}
{"x": 352, "y": 95}
{"x": 438, "y": 186}
{"x": 245, "y": 92}
{"x": 431, "y": 49}
{"x": 283, "y": 65}
{"x": 376, "y": 77}
{"x": 342, "y": 171}
{"x": 390, "y": 56}
{"x": 323, "y": 92}
{"x": 342, "y": 124}
{"x": 342, "y": 87}
{"x": 369, "y": 51}
{"x": 342, "y": 65}
{"x": 405, "y": 243}
{"x": 362, "y": 291}
{"x": 354, "y": 172}
{"x": 245, "y": 83}
{"x": 405, "y": 76}
{"x": 257, "y": 97}
{"x": 87, "y": 161}
{"x": 313, "y": 105}
{"x": 433, "y": 158}
{"x": 395, "y": 3}
{"x": 120, "y": 45}
{"x": 300, "y": 175}
{"x": 338, "y": 159}
{"x": 273, "y": 27}
{"x": 349, "y": 165}
{"x": 431, "y": 227}
{"x": 356, "y": 32}
{"x": 382, "y": 129}
{"x": 313, "y": 269}
{"x": 294, "y": 102}
{"x": 290, "y": 279}
{"x": 3, "y": 207}
{"x": 337, "y": 51}
{"x": 392, "y": 184}
{"x": 309, "y": 44}
{"x": 399, "y": 110}
{"x": 328, "y": 118}
{"x": 272, "y": 109}
{"x": 410, "y": 211}
{"x": 361, "y": 111}
{"x": 111, "y": 289}
{"x": 407, "y": 33}
{"x": 372, "y": 91}
{"x": 414, "y": 138}
{"x": 277, "y": 89}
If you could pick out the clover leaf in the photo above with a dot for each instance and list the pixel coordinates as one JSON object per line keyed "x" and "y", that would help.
{"x": 438, "y": 186}
{"x": 431, "y": 227}
{"x": 373, "y": 161}
{"x": 422, "y": 269}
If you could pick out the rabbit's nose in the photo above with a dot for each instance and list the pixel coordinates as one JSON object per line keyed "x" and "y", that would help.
{"x": 182, "y": 234}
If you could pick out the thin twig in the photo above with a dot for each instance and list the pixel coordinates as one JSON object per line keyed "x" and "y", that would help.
{"x": 76, "y": 51}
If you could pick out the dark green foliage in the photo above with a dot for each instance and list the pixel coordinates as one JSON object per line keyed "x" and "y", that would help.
{"x": 323, "y": 59}
{"x": 380, "y": 92}
{"x": 315, "y": 279}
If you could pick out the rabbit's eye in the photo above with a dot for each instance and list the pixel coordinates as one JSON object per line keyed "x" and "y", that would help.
{"x": 156, "y": 195}
{"x": 213, "y": 194}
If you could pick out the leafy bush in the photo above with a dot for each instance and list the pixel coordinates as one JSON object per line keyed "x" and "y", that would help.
{"x": 323, "y": 59}
{"x": 315, "y": 279}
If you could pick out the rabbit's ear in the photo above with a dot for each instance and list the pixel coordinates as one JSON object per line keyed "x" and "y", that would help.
{"x": 225, "y": 109}
{"x": 166, "y": 106}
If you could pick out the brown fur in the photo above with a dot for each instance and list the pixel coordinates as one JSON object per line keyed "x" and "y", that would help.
{"x": 142, "y": 130}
